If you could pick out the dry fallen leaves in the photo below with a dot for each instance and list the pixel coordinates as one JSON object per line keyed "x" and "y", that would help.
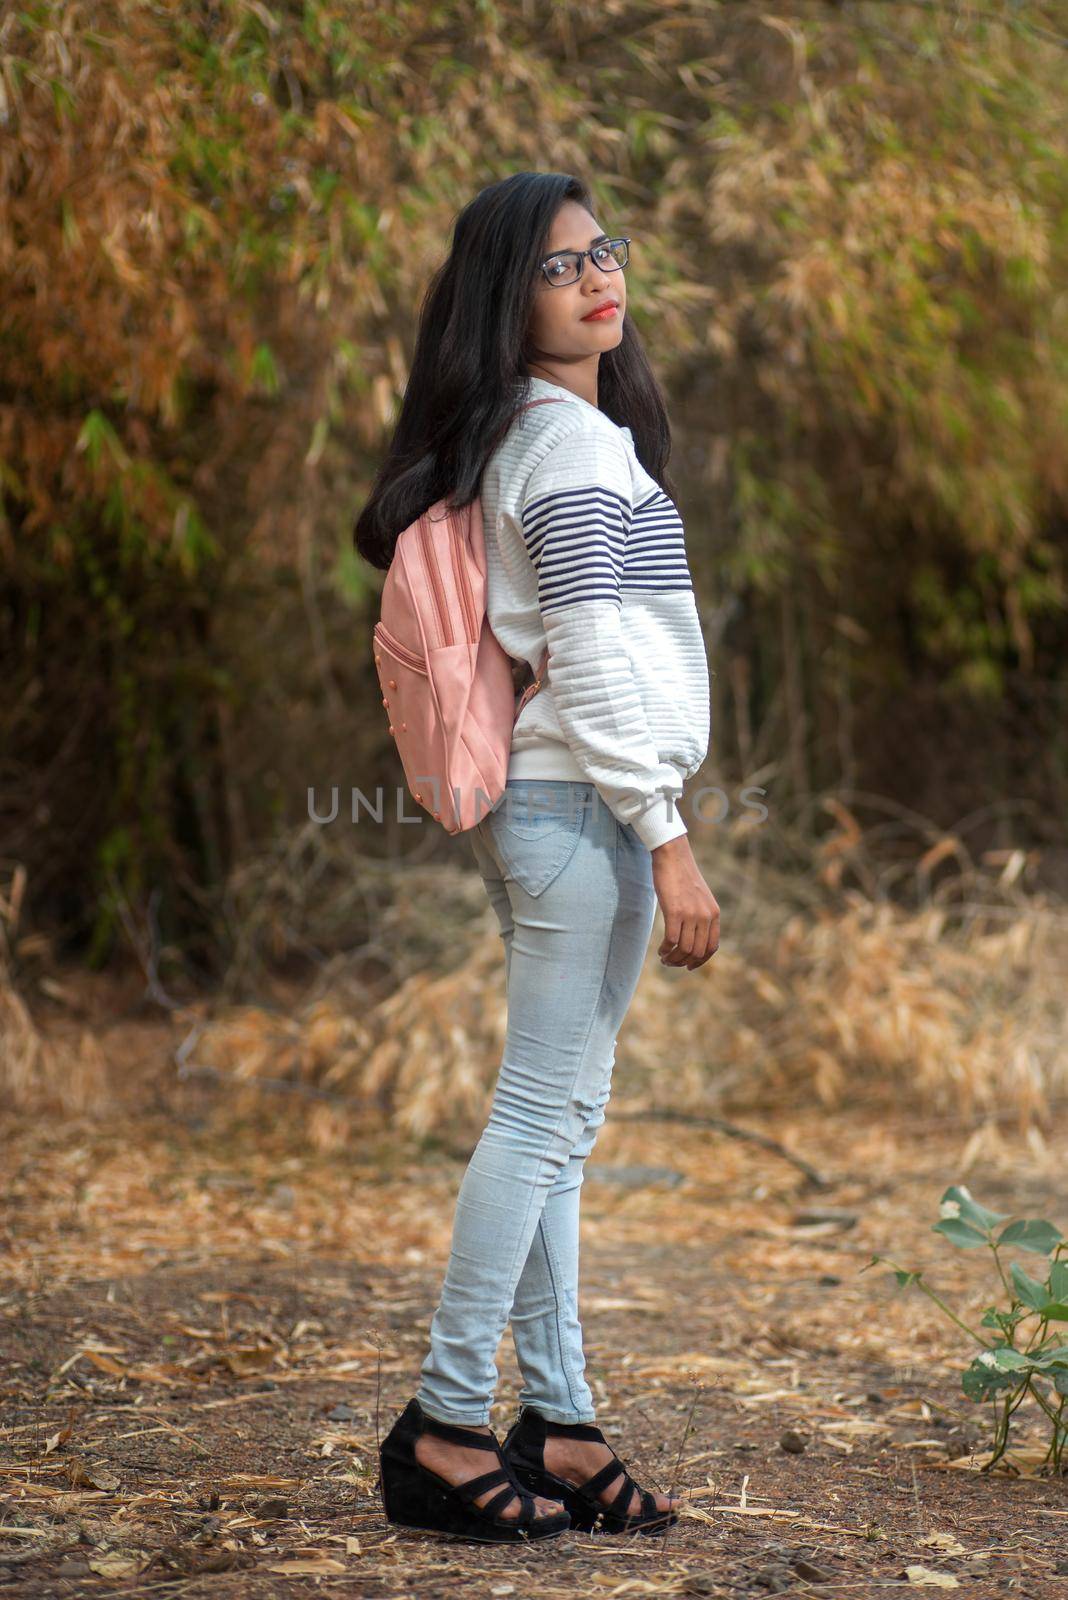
{"x": 118, "y": 1563}
{"x": 308, "y": 1565}
{"x": 1022, "y": 1462}
{"x": 948, "y": 1543}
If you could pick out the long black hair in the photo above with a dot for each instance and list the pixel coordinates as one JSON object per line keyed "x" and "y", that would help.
{"x": 468, "y": 362}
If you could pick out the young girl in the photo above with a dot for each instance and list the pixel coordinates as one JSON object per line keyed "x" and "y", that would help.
{"x": 585, "y": 556}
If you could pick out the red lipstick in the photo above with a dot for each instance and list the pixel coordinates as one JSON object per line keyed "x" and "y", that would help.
{"x": 602, "y": 313}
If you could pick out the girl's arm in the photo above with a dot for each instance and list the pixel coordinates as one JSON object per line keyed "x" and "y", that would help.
{"x": 575, "y": 518}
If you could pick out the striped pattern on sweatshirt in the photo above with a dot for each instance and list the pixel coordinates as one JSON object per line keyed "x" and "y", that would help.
{"x": 577, "y": 540}
{"x": 656, "y": 547}
{"x": 587, "y": 554}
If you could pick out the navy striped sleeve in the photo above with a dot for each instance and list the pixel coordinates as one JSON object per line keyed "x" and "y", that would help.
{"x": 575, "y": 517}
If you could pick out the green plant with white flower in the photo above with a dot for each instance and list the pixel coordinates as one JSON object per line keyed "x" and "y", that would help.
{"x": 1024, "y": 1354}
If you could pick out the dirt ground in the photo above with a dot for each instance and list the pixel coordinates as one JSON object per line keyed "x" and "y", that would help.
{"x": 205, "y": 1333}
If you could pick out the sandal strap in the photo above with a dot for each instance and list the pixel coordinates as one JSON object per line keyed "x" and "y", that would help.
{"x": 485, "y": 1480}
{"x": 499, "y": 1501}
{"x": 575, "y": 1430}
{"x": 511, "y": 1490}
{"x": 621, "y": 1501}
{"x": 527, "y": 1509}
{"x": 458, "y": 1435}
{"x": 603, "y": 1477}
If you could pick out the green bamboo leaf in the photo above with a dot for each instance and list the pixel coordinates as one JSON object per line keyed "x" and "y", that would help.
{"x": 263, "y": 369}
{"x": 96, "y": 435}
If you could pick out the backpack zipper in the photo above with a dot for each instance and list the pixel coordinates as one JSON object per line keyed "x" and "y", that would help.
{"x": 399, "y": 650}
{"x": 467, "y": 599}
{"x": 435, "y": 582}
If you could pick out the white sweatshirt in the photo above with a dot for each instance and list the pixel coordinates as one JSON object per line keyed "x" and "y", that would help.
{"x": 586, "y": 554}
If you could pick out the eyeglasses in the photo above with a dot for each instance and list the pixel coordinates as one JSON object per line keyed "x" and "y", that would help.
{"x": 568, "y": 265}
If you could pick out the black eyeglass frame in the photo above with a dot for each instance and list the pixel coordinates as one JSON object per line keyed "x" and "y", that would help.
{"x": 579, "y": 256}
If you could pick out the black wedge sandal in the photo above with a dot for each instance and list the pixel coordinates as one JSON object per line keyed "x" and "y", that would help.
{"x": 415, "y": 1497}
{"x": 524, "y": 1450}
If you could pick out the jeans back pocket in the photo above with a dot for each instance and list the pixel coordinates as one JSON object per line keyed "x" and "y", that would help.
{"x": 535, "y": 831}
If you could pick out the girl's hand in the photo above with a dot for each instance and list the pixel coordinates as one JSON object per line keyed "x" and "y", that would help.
{"x": 691, "y": 914}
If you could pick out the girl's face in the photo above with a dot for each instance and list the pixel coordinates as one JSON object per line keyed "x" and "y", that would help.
{"x": 560, "y": 327}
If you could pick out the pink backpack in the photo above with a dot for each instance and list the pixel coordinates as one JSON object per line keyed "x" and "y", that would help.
{"x": 446, "y": 681}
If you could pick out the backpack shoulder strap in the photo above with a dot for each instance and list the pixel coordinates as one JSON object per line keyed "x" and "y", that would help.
{"x": 546, "y": 400}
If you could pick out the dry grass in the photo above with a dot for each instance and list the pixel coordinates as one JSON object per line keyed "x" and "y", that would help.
{"x": 822, "y": 992}
{"x": 868, "y": 998}
{"x": 823, "y": 988}
{"x": 37, "y": 1070}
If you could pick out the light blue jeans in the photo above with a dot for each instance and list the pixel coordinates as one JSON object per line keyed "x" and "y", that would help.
{"x": 573, "y": 892}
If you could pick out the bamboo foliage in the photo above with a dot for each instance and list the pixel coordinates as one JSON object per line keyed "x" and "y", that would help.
{"x": 218, "y": 222}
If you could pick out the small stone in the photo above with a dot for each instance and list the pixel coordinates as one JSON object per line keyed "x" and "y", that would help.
{"x": 792, "y": 1443}
{"x": 341, "y": 1413}
{"x": 810, "y": 1572}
